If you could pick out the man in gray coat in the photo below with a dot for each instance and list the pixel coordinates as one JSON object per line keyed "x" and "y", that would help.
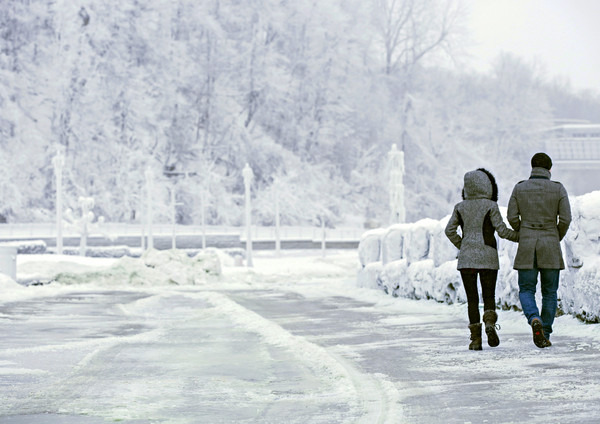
{"x": 539, "y": 209}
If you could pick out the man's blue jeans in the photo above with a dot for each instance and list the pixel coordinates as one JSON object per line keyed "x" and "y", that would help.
{"x": 527, "y": 286}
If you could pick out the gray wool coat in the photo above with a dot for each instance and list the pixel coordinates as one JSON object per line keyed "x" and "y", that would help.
{"x": 540, "y": 210}
{"x": 479, "y": 218}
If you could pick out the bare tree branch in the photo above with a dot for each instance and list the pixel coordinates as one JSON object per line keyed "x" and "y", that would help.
{"x": 412, "y": 30}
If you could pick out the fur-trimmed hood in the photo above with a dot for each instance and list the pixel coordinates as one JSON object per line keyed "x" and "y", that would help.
{"x": 480, "y": 184}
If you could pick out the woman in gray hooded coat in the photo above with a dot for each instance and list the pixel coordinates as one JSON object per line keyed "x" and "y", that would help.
{"x": 479, "y": 218}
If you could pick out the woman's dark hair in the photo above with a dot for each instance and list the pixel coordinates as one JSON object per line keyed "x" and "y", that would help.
{"x": 493, "y": 181}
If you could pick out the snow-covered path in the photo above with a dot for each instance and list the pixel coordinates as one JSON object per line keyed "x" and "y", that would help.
{"x": 175, "y": 357}
{"x": 436, "y": 379}
{"x": 282, "y": 347}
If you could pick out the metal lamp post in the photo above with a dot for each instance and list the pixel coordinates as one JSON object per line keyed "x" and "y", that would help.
{"x": 396, "y": 185}
{"x": 323, "y": 235}
{"x": 276, "y": 192}
{"x": 173, "y": 218}
{"x": 277, "y": 228}
{"x": 204, "y": 188}
{"x": 149, "y": 174}
{"x": 203, "y": 217}
{"x": 248, "y": 175}
{"x": 59, "y": 162}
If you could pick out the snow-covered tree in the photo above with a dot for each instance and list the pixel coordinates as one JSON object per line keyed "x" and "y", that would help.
{"x": 312, "y": 94}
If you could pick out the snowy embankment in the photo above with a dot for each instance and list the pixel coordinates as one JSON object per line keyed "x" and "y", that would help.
{"x": 417, "y": 261}
{"x": 40, "y": 275}
{"x": 153, "y": 268}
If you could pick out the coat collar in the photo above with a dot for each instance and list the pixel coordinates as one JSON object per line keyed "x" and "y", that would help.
{"x": 539, "y": 172}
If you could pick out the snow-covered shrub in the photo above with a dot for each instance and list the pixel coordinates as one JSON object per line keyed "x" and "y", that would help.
{"x": 395, "y": 277}
{"x": 582, "y": 238}
{"x": 421, "y": 273}
{"x": 587, "y": 208}
{"x": 443, "y": 249}
{"x": 154, "y": 258}
{"x": 27, "y": 247}
{"x": 369, "y": 249}
{"x": 579, "y": 287}
{"x": 447, "y": 285}
{"x": 507, "y": 286}
{"x": 418, "y": 240}
{"x": 369, "y": 276}
{"x": 108, "y": 251}
{"x": 392, "y": 243}
{"x": 419, "y": 262}
{"x": 579, "y": 292}
{"x": 209, "y": 260}
{"x": 117, "y": 251}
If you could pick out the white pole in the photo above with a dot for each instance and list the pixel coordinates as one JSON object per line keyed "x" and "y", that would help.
{"x": 277, "y": 228}
{"x": 149, "y": 189}
{"x": 248, "y": 174}
{"x": 143, "y": 223}
{"x": 59, "y": 209}
{"x": 58, "y": 163}
{"x": 203, "y": 217}
{"x": 323, "y": 235}
{"x": 173, "y": 243}
{"x": 396, "y": 185}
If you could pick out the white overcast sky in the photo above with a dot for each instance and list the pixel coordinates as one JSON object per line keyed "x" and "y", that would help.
{"x": 563, "y": 35}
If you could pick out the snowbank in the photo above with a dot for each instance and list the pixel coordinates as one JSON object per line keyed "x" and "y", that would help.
{"x": 9, "y": 288}
{"x": 154, "y": 267}
{"x": 418, "y": 261}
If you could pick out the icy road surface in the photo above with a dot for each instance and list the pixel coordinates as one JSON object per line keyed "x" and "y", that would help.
{"x": 281, "y": 344}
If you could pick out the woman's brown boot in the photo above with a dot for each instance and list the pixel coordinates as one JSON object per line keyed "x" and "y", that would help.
{"x": 475, "y": 336}
{"x": 489, "y": 319}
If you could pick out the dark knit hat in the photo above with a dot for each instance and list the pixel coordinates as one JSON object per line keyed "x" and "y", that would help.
{"x": 541, "y": 160}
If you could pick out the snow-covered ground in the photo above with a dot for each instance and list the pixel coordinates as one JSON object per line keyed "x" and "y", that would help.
{"x": 293, "y": 340}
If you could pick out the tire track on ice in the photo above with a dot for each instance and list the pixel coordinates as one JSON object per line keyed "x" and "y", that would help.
{"x": 375, "y": 398}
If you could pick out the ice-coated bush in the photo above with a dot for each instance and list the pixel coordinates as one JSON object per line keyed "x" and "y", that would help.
{"x": 369, "y": 276}
{"x": 579, "y": 291}
{"x": 392, "y": 243}
{"x": 27, "y": 247}
{"x": 419, "y": 240}
{"x": 421, "y": 273}
{"x": 418, "y": 261}
{"x": 369, "y": 249}
{"x": 447, "y": 284}
{"x": 393, "y": 277}
{"x": 443, "y": 249}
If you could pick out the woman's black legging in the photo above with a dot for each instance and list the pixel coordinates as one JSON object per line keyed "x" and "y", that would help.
{"x": 488, "y": 290}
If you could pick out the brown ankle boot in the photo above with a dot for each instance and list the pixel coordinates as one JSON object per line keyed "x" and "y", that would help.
{"x": 475, "y": 336}
{"x": 489, "y": 319}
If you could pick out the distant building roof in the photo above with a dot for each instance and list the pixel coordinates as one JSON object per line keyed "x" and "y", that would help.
{"x": 575, "y": 144}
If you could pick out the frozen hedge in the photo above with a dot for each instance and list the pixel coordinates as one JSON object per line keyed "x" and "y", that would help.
{"x": 417, "y": 261}
{"x": 27, "y": 247}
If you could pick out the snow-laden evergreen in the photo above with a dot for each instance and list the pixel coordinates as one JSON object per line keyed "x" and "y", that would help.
{"x": 418, "y": 261}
